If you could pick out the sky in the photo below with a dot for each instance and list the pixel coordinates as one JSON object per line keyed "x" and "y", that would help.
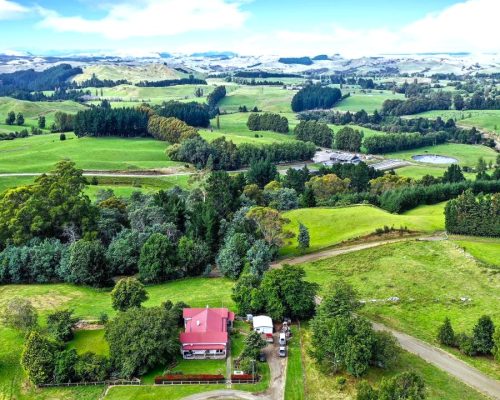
{"x": 352, "y": 28}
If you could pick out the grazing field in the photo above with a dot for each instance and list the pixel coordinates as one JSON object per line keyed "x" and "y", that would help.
{"x": 417, "y": 172}
{"x": 31, "y": 110}
{"x": 234, "y": 128}
{"x": 330, "y": 226}
{"x": 40, "y": 153}
{"x": 481, "y": 119}
{"x": 266, "y": 98}
{"x": 432, "y": 280}
{"x": 134, "y": 74}
{"x": 89, "y": 303}
{"x": 466, "y": 154}
{"x": 365, "y": 101}
{"x": 483, "y": 249}
{"x": 439, "y": 384}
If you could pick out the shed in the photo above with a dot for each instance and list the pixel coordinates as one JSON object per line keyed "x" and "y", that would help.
{"x": 262, "y": 324}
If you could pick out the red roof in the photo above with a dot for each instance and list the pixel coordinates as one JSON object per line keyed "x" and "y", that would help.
{"x": 205, "y": 326}
{"x": 203, "y": 347}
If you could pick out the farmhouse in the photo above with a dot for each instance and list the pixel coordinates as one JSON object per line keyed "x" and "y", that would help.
{"x": 340, "y": 157}
{"x": 205, "y": 333}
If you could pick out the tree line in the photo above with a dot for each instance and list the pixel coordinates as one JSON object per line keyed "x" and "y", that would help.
{"x": 172, "y": 82}
{"x": 469, "y": 214}
{"x": 267, "y": 122}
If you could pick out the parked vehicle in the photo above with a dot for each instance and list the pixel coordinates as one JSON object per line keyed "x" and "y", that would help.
{"x": 282, "y": 351}
{"x": 262, "y": 357}
{"x": 269, "y": 338}
{"x": 282, "y": 339}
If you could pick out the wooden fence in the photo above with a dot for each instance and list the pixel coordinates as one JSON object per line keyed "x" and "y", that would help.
{"x": 118, "y": 382}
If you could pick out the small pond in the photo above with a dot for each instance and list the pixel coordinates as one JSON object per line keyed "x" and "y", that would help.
{"x": 434, "y": 159}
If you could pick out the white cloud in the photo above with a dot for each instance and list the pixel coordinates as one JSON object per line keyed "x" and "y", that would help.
{"x": 467, "y": 26}
{"x": 11, "y": 9}
{"x": 147, "y": 18}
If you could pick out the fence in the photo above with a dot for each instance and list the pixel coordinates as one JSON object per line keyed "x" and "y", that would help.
{"x": 118, "y": 382}
{"x": 223, "y": 381}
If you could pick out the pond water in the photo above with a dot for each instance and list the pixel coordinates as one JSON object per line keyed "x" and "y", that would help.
{"x": 434, "y": 159}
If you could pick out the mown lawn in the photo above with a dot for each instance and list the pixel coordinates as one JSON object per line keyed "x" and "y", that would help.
{"x": 88, "y": 303}
{"x": 40, "y": 153}
{"x": 417, "y": 172}
{"x": 433, "y": 280}
{"x": 330, "y": 226}
{"x": 294, "y": 385}
{"x": 439, "y": 385}
{"x": 89, "y": 340}
{"x": 157, "y": 392}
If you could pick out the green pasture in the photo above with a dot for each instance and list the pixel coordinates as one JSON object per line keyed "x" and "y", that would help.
{"x": 466, "y": 154}
{"x": 369, "y": 101}
{"x": 331, "y": 226}
{"x": 484, "y": 249}
{"x": 433, "y": 280}
{"x": 40, "y": 153}
{"x": 89, "y": 340}
{"x": 266, "y": 98}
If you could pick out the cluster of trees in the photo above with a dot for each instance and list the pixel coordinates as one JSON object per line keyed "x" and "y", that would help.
{"x": 253, "y": 344}
{"x": 192, "y": 113}
{"x": 348, "y": 139}
{"x": 94, "y": 81}
{"x": 316, "y": 132}
{"x": 416, "y": 104}
{"x": 264, "y": 75}
{"x": 344, "y": 341}
{"x": 63, "y": 122}
{"x": 253, "y": 82}
{"x": 223, "y": 154}
{"x": 267, "y": 122}
{"x": 471, "y": 215}
{"x": 107, "y": 121}
{"x": 173, "y": 82}
{"x": 315, "y": 96}
{"x": 485, "y": 339}
{"x": 279, "y": 293}
{"x": 408, "y": 197}
{"x": 405, "y": 385}
{"x": 12, "y": 118}
{"x": 215, "y": 96}
{"x": 296, "y": 60}
{"x": 171, "y": 129}
{"x": 478, "y": 101}
{"x": 21, "y": 83}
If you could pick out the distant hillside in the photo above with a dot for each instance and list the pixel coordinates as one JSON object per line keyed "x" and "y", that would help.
{"x": 134, "y": 74}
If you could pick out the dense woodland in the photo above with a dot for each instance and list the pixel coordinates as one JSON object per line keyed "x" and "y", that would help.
{"x": 315, "y": 96}
{"x": 267, "y": 122}
{"x": 173, "y": 82}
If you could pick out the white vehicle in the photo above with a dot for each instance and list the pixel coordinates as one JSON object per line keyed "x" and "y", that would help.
{"x": 282, "y": 351}
{"x": 282, "y": 339}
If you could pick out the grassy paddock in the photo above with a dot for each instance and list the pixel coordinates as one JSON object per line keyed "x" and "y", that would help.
{"x": 486, "y": 250}
{"x": 266, "y": 98}
{"x": 90, "y": 340}
{"x": 417, "y": 172}
{"x": 466, "y": 154}
{"x": 294, "y": 386}
{"x": 40, "y": 153}
{"x": 484, "y": 119}
{"x": 429, "y": 278}
{"x": 330, "y": 226}
{"x": 366, "y": 101}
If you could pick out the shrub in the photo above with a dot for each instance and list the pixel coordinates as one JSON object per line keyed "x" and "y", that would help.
{"x": 446, "y": 335}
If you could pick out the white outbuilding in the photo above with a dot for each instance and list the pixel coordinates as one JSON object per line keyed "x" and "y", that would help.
{"x": 263, "y": 324}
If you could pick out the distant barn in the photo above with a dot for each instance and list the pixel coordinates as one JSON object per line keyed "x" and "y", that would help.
{"x": 343, "y": 158}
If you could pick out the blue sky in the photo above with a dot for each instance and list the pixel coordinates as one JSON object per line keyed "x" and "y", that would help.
{"x": 285, "y": 27}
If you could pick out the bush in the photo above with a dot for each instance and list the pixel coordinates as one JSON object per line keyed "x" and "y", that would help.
{"x": 466, "y": 344}
{"x": 446, "y": 335}
{"x": 62, "y": 136}
{"x": 127, "y": 293}
{"x": 20, "y": 314}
